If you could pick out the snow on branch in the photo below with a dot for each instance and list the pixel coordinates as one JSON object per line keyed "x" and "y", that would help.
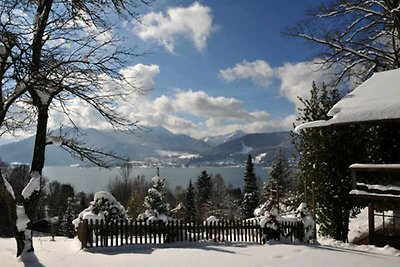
{"x": 8, "y": 187}
{"x": 22, "y": 219}
{"x": 32, "y": 186}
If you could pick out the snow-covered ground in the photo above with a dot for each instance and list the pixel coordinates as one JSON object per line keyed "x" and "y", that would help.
{"x": 66, "y": 253}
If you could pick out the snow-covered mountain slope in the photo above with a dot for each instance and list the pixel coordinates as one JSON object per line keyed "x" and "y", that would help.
{"x": 144, "y": 144}
{"x": 220, "y": 139}
{"x": 236, "y": 151}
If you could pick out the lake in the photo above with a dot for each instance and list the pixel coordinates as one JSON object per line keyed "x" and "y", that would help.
{"x": 93, "y": 179}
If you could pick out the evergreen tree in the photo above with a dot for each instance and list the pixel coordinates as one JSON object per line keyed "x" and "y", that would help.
{"x": 250, "y": 190}
{"x": 326, "y": 154}
{"x": 139, "y": 193}
{"x": 66, "y": 227}
{"x": 204, "y": 187}
{"x": 190, "y": 203}
{"x": 280, "y": 174}
{"x": 155, "y": 203}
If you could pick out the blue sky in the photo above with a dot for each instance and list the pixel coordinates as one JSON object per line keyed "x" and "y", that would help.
{"x": 215, "y": 66}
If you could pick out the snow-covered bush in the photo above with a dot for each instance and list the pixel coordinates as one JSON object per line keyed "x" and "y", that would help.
{"x": 156, "y": 207}
{"x": 268, "y": 217}
{"x": 103, "y": 207}
{"x": 211, "y": 220}
{"x": 303, "y": 214}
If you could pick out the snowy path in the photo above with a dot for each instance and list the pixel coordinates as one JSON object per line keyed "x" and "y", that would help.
{"x": 66, "y": 253}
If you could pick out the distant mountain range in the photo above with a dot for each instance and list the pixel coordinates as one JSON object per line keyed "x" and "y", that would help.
{"x": 157, "y": 145}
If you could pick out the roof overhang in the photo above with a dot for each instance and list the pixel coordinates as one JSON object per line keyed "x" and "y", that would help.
{"x": 375, "y": 101}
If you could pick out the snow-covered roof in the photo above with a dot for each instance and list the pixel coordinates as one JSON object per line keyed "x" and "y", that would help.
{"x": 375, "y": 167}
{"x": 377, "y": 99}
{"x": 376, "y": 190}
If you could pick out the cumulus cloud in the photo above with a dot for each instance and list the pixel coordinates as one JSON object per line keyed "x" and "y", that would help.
{"x": 258, "y": 71}
{"x": 201, "y": 104}
{"x": 83, "y": 115}
{"x": 140, "y": 75}
{"x": 296, "y": 79}
{"x": 198, "y": 114}
{"x": 193, "y": 23}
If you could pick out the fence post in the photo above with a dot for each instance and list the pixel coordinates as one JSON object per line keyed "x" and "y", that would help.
{"x": 159, "y": 231}
{"x": 83, "y": 233}
{"x": 97, "y": 232}
{"x": 181, "y": 230}
{"x": 112, "y": 233}
{"x": 126, "y": 232}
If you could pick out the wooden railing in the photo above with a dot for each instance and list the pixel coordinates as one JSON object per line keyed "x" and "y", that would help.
{"x": 100, "y": 234}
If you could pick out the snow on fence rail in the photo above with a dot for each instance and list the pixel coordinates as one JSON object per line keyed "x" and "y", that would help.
{"x": 95, "y": 233}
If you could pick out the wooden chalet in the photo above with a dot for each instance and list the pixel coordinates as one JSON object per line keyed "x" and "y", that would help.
{"x": 378, "y": 186}
{"x": 376, "y": 101}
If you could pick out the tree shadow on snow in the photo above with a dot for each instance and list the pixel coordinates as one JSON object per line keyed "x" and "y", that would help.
{"x": 30, "y": 260}
{"x": 150, "y": 248}
{"x": 126, "y": 249}
{"x": 351, "y": 250}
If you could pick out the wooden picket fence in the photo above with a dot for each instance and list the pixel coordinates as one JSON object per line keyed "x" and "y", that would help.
{"x": 100, "y": 234}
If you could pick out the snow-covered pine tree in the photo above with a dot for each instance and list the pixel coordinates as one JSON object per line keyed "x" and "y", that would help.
{"x": 269, "y": 221}
{"x": 250, "y": 190}
{"x": 326, "y": 154}
{"x": 190, "y": 203}
{"x": 204, "y": 188}
{"x": 66, "y": 227}
{"x": 155, "y": 204}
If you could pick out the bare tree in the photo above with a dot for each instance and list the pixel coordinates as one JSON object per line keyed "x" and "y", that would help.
{"x": 51, "y": 53}
{"x": 121, "y": 187}
{"x": 356, "y": 37}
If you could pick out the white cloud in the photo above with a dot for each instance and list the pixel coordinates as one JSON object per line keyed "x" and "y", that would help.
{"x": 258, "y": 71}
{"x": 296, "y": 79}
{"x": 141, "y": 76}
{"x": 201, "y": 104}
{"x": 198, "y": 114}
{"x": 193, "y": 22}
{"x": 83, "y": 115}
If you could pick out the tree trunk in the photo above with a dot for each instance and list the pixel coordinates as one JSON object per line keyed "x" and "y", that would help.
{"x": 40, "y": 140}
{"x": 38, "y": 159}
{"x": 12, "y": 214}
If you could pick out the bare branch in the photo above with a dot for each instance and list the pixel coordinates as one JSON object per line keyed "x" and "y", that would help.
{"x": 357, "y": 35}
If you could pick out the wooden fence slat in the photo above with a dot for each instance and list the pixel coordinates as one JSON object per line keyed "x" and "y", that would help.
{"x": 180, "y": 230}
{"x": 101, "y": 233}
{"x": 91, "y": 233}
{"x": 140, "y": 232}
{"x": 197, "y": 232}
{"x": 135, "y": 229}
{"x": 112, "y": 233}
{"x": 96, "y": 232}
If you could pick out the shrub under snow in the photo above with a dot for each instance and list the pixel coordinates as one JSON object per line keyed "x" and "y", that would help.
{"x": 103, "y": 207}
{"x": 303, "y": 214}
